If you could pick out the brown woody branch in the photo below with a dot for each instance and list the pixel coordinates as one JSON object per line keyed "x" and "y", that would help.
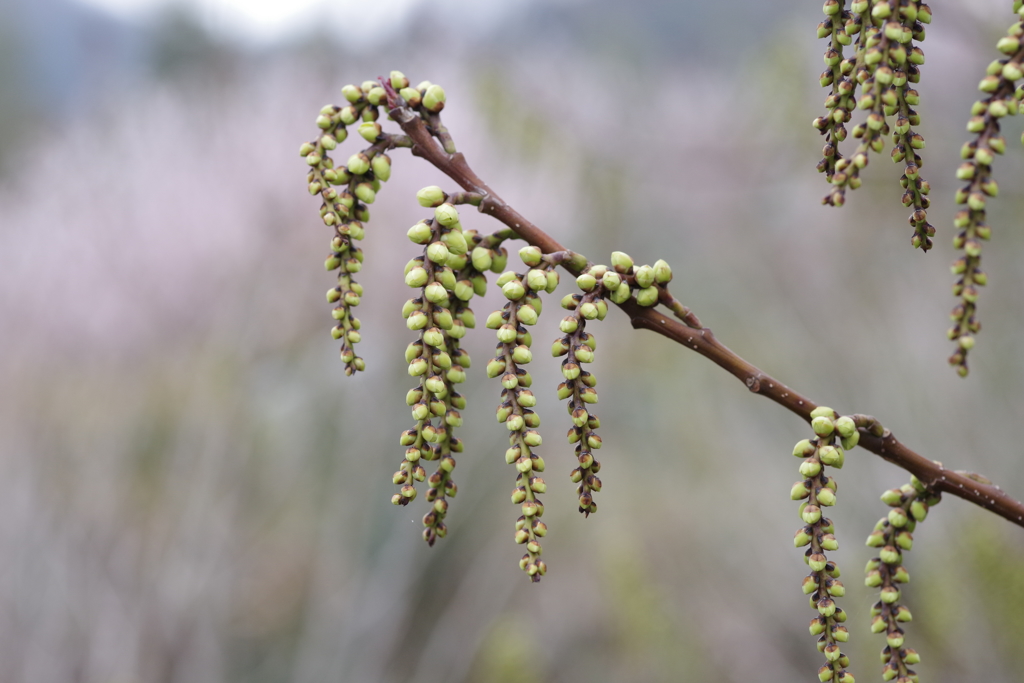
{"x": 873, "y": 436}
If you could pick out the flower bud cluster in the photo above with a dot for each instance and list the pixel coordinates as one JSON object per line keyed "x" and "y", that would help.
{"x": 578, "y": 346}
{"x": 893, "y": 535}
{"x": 426, "y": 99}
{"x": 978, "y": 154}
{"x": 885, "y": 64}
{"x": 833, "y": 436}
{"x": 346, "y": 191}
{"x": 517, "y": 400}
{"x": 441, "y": 316}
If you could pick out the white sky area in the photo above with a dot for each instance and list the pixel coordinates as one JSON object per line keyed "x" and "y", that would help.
{"x": 270, "y": 20}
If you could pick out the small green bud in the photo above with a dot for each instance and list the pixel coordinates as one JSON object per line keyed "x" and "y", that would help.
{"x": 845, "y": 426}
{"x": 621, "y": 293}
{"x": 823, "y": 411}
{"x": 526, "y": 313}
{"x": 892, "y": 497}
{"x": 437, "y": 252}
{"x": 417, "y": 277}
{"x": 876, "y": 539}
{"x": 662, "y": 272}
{"x": 531, "y": 255}
{"x": 802, "y": 537}
{"x": 421, "y": 233}
{"x": 513, "y": 289}
{"x": 799, "y": 491}
{"x": 358, "y": 164}
{"x": 494, "y": 320}
{"x": 810, "y": 468}
{"x": 817, "y": 627}
{"x": 586, "y": 282}
{"x": 499, "y": 260}
{"x": 481, "y": 258}
{"x": 644, "y": 277}
{"x": 919, "y": 510}
{"x": 648, "y": 296}
{"x": 803, "y": 448}
{"x": 446, "y": 214}
{"x": 825, "y": 496}
{"x": 506, "y": 334}
{"x": 897, "y": 517}
{"x": 811, "y": 514}
{"x": 537, "y": 280}
{"x": 829, "y": 455}
{"x": 569, "y": 324}
{"x": 429, "y": 196}
{"x": 823, "y": 426}
{"x": 890, "y": 555}
{"x": 434, "y": 98}
{"x": 370, "y": 130}
{"x": 351, "y": 93}
{"x": 851, "y": 441}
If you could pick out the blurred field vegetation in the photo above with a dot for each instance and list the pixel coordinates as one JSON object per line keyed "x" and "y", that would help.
{"x": 190, "y": 490}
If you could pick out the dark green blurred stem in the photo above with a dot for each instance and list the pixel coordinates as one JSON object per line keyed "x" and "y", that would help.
{"x": 703, "y": 340}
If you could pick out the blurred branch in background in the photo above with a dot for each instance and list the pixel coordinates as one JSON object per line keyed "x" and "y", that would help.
{"x": 190, "y": 492}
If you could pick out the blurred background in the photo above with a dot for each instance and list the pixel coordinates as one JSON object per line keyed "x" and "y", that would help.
{"x": 191, "y": 490}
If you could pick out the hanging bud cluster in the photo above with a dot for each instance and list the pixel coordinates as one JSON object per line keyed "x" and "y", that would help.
{"x": 578, "y": 347}
{"x": 893, "y": 535}
{"x": 1002, "y": 100}
{"x": 346, "y": 192}
{"x": 517, "y": 400}
{"x": 817, "y": 490}
{"x": 885, "y": 62}
{"x": 441, "y": 316}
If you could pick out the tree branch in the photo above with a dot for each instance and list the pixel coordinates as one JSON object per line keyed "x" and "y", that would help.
{"x": 873, "y": 436}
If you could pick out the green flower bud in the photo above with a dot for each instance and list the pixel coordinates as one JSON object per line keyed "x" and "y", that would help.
{"x": 799, "y": 491}
{"x": 817, "y": 627}
{"x": 611, "y": 280}
{"x": 817, "y": 562}
{"x": 648, "y": 296}
{"x": 531, "y": 255}
{"x": 446, "y": 215}
{"x": 662, "y": 272}
{"x": 810, "y": 468}
{"x": 892, "y": 497}
{"x": 456, "y": 243}
{"x": 621, "y": 293}
{"x": 823, "y": 411}
{"x": 445, "y": 278}
{"x": 564, "y": 391}
{"x": 825, "y": 496}
{"x": 351, "y": 93}
{"x": 417, "y": 277}
{"x": 513, "y": 289}
{"x": 526, "y": 313}
{"x": 644, "y": 276}
{"x": 370, "y": 130}
{"x": 430, "y": 196}
{"x": 919, "y": 510}
{"x": 802, "y": 537}
{"x": 421, "y": 233}
{"x": 494, "y": 320}
{"x": 552, "y": 284}
{"x": 890, "y": 555}
{"x": 803, "y": 448}
{"x": 588, "y": 310}
{"x": 437, "y": 252}
{"x": 481, "y": 258}
{"x": 568, "y": 325}
{"x": 851, "y": 441}
{"x": 811, "y": 514}
{"x": 897, "y": 517}
{"x": 621, "y": 262}
{"x": 822, "y": 426}
{"x": 506, "y": 334}
{"x": 495, "y": 367}
{"x": 586, "y": 282}
{"x": 829, "y": 455}
{"x": 904, "y": 540}
{"x": 537, "y": 280}
{"x": 434, "y": 98}
{"x": 846, "y": 426}
{"x": 358, "y": 164}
